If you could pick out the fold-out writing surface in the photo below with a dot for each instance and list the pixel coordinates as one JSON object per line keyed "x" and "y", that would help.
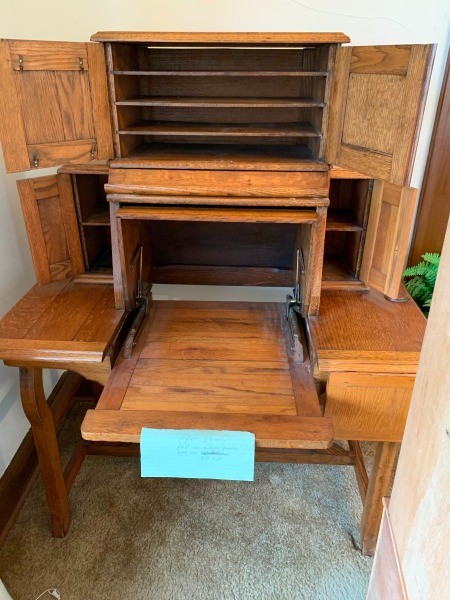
{"x": 198, "y": 454}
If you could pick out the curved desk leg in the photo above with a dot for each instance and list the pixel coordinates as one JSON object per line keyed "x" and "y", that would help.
{"x": 43, "y": 428}
{"x": 379, "y": 482}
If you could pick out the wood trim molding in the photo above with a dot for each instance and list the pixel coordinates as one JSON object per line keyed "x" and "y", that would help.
{"x": 19, "y": 477}
{"x": 434, "y": 206}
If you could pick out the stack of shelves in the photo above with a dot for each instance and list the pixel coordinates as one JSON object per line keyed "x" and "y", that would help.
{"x": 273, "y": 97}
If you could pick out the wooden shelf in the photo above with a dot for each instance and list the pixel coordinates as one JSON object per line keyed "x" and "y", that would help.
{"x": 99, "y": 218}
{"x": 342, "y": 220}
{"x": 336, "y": 275}
{"x": 224, "y": 73}
{"x": 225, "y": 215}
{"x": 260, "y": 157}
{"x": 294, "y": 130}
{"x": 217, "y": 102}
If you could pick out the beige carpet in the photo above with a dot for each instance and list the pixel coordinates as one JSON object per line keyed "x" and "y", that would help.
{"x": 287, "y": 536}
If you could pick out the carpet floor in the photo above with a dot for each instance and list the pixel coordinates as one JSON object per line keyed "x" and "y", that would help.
{"x": 287, "y": 536}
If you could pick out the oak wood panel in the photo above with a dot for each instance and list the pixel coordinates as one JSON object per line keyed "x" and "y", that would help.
{"x": 368, "y": 406}
{"x": 24, "y": 314}
{"x": 58, "y": 104}
{"x": 226, "y": 215}
{"x": 92, "y": 168}
{"x": 434, "y": 207}
{"x": 220, "y": 37}
{"x": 62, "y": 323}
{"x": 102, "y": 322}
{"x": 377, "y": 106}
{"x": 367, "y": 361}
{"x": 220, "y": 157}
{"x": 34, "y": 231}
{"x": 216, "y": 73}
{"x": 45, "y": 125}
{"x": 315, "y": 268}
{"x": 74, "y": 302}
{"x": 389, "y": 225}
{"x": 100, "y": 101}
{"x": 203, "y": 349}
{"x": 217, "y": 183}
{"x": 218, "y": 102}
{"x": 215, "y": 327}
{"x": 56, "y": 153}
{"x": 338, "y": 100}
{"x": 210, "y": 386}
{"x": 12, "y": 129}
{"x": 219, "y": 275}
{"x": 213, "y": 312}
{"x": 50, "y": 219}
{"x": 271, "y": 431}
{"x": 70, "y": 222}
{"x": 367, "y": 322}
{"x": 45, "y": 56}
{"x": 366, "y": 332}
{"x": 73, "y": 89}
{"x": 233, "y": 201}
{"x": 282, "y": 130}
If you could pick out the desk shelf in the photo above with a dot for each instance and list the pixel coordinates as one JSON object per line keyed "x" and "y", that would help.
{"x": 232, "y": 95}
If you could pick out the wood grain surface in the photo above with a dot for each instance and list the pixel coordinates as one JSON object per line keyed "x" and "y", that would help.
{"x": 218, "y": 364}
{"x": 61, "y": 322}
{"x": 220, "y": 37}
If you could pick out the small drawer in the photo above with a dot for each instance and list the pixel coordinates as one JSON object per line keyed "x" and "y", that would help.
{"x": 179, "y": 182}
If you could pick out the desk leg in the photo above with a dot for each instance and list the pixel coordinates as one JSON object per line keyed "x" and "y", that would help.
{"x": 43, "y": 428}
{"x": 379, "y": 481}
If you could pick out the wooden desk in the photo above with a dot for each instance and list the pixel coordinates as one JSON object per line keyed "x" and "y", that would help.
{"x": 234, "y": 369}
{"x": 213, "y": 365}
{"x": 63, "y": 325}
{"x": 366, "y": 350}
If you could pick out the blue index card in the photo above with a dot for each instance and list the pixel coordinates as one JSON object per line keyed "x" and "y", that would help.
{"x": 198, "y": 454}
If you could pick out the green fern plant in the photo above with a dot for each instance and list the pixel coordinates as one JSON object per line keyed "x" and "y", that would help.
{"x": 421, "y": 279}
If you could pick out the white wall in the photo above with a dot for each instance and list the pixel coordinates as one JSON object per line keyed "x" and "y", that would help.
{"x": 383, "y": 22}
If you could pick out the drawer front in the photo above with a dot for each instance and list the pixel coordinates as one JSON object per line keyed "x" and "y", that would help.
{"x": 368, "y": 406}
{"x": 217, "y": 183}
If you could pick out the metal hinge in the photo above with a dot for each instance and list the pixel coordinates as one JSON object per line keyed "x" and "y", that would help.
{"x": 293, "y": 327}
{"x": 93, "y": 151}
{"x": 81, "y": 64}
{"x": 35, "y": 160}
{"x": 141, "y": 310}
{"x": 20, "y": 62}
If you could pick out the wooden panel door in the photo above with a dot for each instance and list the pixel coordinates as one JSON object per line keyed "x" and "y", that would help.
{"x": 52, "y": 228}
{"x": 376, "y": 109}
{"x": 388, "y": 229}
{"x": 54, "y": 105}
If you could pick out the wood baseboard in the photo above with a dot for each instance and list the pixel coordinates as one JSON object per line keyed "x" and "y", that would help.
{"x": 19, "y": 477}
{"x": 386, "y": 580}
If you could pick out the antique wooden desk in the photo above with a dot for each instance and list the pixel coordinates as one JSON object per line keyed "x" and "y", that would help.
{"x": 179, "y": 376}
{"x": 260, "y": 159}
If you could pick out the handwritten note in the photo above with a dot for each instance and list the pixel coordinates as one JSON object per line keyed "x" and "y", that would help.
{"x": 198, "y": 454}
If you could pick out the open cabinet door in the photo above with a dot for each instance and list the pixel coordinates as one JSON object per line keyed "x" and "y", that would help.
{"x": 51, "y": 222}
{"x": 376, "y": 109}
{"x": 388, "y": 229}
{"x": 54, "y": 105}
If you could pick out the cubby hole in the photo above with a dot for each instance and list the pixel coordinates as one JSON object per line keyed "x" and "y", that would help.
{"x": 93, "y": 221}
{"x": 262, "y": 97}
{"x": 347, "y": 219}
